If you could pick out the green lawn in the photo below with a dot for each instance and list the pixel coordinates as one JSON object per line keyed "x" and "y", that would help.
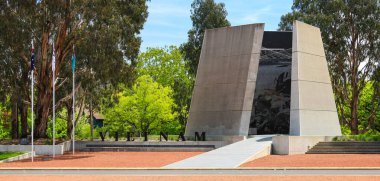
{"x": 5, "y": 155}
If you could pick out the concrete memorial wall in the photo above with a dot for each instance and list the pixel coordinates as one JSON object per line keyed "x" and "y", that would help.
{"x": 255, "y": 82}
{"x": 313, "y": 109}
{"x": 226, "y": 77}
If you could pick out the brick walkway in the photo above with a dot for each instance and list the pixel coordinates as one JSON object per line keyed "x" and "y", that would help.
{"x": 106, "y": 159}
{"x": 317, "y": 160}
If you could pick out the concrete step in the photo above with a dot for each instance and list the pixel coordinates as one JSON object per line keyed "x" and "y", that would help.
{"x": 338, "y": 146}
{"x": 151, "y": 147}
{"x": 345, "y": 147}
{"x": 147, "y": 149}
{"x": 350, "y": 143}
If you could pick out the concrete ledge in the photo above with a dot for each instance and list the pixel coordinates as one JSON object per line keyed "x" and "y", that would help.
{"x": 16, "y": 158}
{"x": 290, "y": 145}
{"x": 38, "y": 149}
{"x": 82, "y": 145}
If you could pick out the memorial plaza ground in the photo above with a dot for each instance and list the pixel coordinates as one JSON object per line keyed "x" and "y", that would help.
{"x": 160, "y": 159}
{"x": 128, "y": 160}
{"x": 317, "y": 160}
{"x": 105, "y": 159}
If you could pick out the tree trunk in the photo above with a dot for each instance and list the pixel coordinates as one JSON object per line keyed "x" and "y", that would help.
{"x": 69, "y": 109}
{"x": 24, "y": 119}
{"x": 354, "y": 114}
{"x": 42, "y": 115}
{"x": 44, "y": 86}
{"x": 14, "y": 118}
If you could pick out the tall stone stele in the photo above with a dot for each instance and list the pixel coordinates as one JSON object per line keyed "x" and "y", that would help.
{"x": 223, "y": 97}
{"x": 313, "y": 110}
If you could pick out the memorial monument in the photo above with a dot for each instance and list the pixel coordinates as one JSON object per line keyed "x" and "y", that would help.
{"x": 255, "y": 82}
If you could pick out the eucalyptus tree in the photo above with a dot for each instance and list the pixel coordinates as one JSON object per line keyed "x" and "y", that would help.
{"x": 205, "y": 14}
{"x": 351, "y": 35}
{"x": 105, "y": 35}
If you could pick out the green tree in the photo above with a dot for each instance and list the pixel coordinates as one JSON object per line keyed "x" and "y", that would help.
{"x": 205, "y": 14}
{"x": 105, "y": 34}
{"x": 351, "y": 33}
{"x": 148, "y": 107}
{"x": 167, "y": 67}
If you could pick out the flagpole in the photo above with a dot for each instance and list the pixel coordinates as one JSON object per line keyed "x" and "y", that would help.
{"x": 53, "y": 67}
{"x": 73, "y": 131}
{"x": 73, "y": 113}
{"x": 32, "y": 117}
{"x": 32, "y": 85}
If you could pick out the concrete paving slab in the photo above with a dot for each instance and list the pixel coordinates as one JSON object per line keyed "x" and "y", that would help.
{"x": 230, "y": 156}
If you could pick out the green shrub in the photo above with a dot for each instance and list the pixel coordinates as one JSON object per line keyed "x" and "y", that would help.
{"x": 368, "y": 136}
{"x": 60, "y": 128}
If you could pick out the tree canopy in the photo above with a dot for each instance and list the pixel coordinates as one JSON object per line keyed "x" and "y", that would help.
{"x": 205, "y": 14}
{"x": 168, "y": 68}
{"x": 351, "y": 36}
{"x": 147, "y": 107}
{"x": 105, "y": 34}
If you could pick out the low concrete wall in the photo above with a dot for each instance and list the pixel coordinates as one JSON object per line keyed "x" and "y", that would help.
{"x": 290, "y": 145}
{"x": 16, "y": 158}
{"x": 66, "y": 146}
{"x": 39, "y": 149}
{"x": 80, "y": 145}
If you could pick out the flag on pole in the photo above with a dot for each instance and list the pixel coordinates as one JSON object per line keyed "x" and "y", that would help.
{"x": 32, "y": 61}
{"x": 73, "y": 59}
{"x": 31, "y": 88}
{"x": 53, "y": 68}
{"x": 53, "y": 60}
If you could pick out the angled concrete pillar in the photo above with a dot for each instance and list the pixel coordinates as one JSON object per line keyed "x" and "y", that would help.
{"x": 312, "y": 110}
{"x": 223, "y": 93}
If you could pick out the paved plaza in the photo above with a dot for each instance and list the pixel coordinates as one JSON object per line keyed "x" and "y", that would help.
{"x": 317, "y": 160}
{"x": 135, "y": 165}
{"x": 105, "y": 159}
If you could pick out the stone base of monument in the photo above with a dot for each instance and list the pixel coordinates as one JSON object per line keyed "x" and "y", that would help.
{"x": 290, "y": 145}
{"x": 149, "y": 146}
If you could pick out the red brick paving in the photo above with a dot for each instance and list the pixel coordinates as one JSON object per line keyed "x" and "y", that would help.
{"x": 317, "y": 160}
{"x": 106, "y": 159}
{"x": 183, "y": 178}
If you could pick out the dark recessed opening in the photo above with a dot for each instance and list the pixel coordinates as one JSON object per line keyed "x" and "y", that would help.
{"x": 271, "y": 103}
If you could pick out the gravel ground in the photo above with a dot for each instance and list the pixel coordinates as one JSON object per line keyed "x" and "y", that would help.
{"x": 317, "y": 160}
{"x": 185, "y": 178}
{"x": 105, "y": 159}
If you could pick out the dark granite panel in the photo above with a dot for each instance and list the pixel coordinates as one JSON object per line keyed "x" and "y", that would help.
{"x": 271, "y": 103}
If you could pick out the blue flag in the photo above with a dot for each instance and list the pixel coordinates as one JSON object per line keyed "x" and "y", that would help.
{"x": 73, "y": 59}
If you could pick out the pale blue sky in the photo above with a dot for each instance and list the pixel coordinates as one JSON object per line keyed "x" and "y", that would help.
{"x": 169, "y": 20}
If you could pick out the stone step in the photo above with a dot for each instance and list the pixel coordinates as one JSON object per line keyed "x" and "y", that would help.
{"x": 345, "y": 147}
{"x": 339, "y": 146}
{"x": 346, "y": 150}
{"x": 148, "y": 146}
{"x": 147, "y": 149}
{"x": 349, "y": 143}
{"x": 342, "y": 152}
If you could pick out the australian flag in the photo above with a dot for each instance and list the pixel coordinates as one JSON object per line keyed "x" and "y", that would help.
{"x": 32, "y": 59}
